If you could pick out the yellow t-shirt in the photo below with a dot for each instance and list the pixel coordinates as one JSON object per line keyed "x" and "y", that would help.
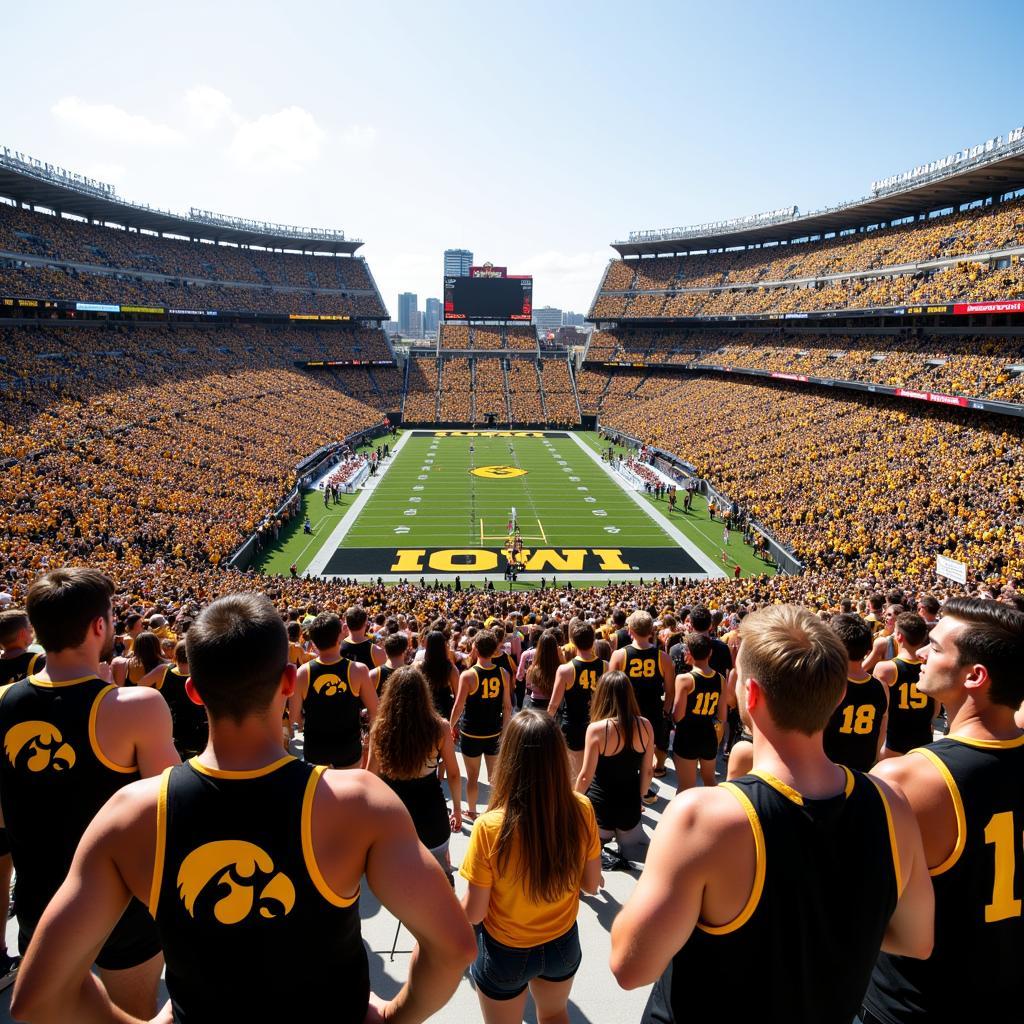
{"x": 512, "y": 917}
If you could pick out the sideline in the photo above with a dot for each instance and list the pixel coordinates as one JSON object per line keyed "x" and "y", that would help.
{"x": 705, "y": 562}
{"x": 323, "y": 556}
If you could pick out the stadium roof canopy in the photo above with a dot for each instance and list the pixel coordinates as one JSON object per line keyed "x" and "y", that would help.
{"x": 28, "y": 180}
{"x": 989, "y": 174}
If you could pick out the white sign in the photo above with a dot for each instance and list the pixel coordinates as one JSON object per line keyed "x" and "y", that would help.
{"x": 951, "y": 569}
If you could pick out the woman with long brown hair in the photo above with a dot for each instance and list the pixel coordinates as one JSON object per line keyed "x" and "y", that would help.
{"x": 441, "y": 674}
{"x": 529, "y": 855}
{"x": 540, "y": 678}
{"x": 617, "y": 764}
{"x": 408, "y": 740}
{"x": 146, "y": 655}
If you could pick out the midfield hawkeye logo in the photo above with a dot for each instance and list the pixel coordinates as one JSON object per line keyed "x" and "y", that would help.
{"x": 330, "y": 685}
{"x": 498, "y": 472}
{"x": 232, "y": 880}
{"x": 38, "y": 746}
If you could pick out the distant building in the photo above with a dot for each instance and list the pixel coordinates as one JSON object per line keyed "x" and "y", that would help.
{"x": 457, "y": 262}
{"x": 406, "y": 310}
{"x": 431, "y": 317}
{"x": 416, "y": 324}
{"x": 391, "y": 328}
{"x": 547, "y": 318}
{"x": 572, "y": 319}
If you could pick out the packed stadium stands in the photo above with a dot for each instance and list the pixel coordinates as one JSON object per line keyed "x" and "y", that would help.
{"x": 73, "y": 260}
{"x": 459, "y": 337}
{"x": 973, "y": 365}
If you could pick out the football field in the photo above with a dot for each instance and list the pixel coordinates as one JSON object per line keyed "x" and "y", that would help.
{"x": 442, "y": 506}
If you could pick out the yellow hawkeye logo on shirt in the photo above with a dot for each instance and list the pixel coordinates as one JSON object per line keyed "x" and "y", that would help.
{"x": 38, "y": 746}
{"x": 498, "y": 472}
{"x": 330, "y": 685}
{"x": 233, "y": 879}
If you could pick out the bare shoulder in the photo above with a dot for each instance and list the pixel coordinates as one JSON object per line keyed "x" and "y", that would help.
{"x": 708, "y": 815}
{"x": 134, "y": 702}
{"x": 355, "y": 787}
{"x": 131, "y": 806}
{"x": 913, "y": 777}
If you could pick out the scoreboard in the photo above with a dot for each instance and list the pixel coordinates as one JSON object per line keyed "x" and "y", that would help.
{"x": 488, "y": 298}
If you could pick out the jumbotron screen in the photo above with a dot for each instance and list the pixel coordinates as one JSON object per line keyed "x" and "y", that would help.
{"x": 488, "y": 298}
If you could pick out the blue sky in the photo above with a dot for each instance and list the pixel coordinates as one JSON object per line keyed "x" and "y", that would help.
{"x": 532, "y": 133}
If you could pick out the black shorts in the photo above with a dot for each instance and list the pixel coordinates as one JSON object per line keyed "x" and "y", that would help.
{"x": 133, "y": 941}
{"x": 333, "y": 753}
{"x": 660, "y": 723}
{"x": 475, "y": 746}
{"x": 575, "y": 734}
{"x": 696, "y": 742}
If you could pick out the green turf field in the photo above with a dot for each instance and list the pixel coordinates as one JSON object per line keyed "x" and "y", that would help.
{"x": 442, "y": 505}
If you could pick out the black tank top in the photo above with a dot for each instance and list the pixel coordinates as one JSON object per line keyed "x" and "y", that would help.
{"x": 361, "y": 652}
{"x": 21, "y": 665}
{"x": 235, "y": 884}
{"x": 851, "y": 736}
{"x": 824, "y": 889}
{"x": 911, "y": 712}
{"x": 973, "y": 973}
{"x": 191, "y": 730}
{"x": 382, "y": 678}
{"x": 331, "y": 708}
{"x": 703, "y": 700}
{"x": 481, "y": 718}
{"x": 615, "y": 789}
{"x": 643, "y": 667}
{"x": 579, "y": 692}
{"x": 53, "y": 780}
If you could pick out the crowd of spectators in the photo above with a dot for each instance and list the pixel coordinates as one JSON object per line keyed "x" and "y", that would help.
{"x": 524, "y": 391}
{"x": 860, "y": 488}
{"x": 60, "y": 238}
{"x": 456, "y": 391}
{"x": 971, "y": 365}
{"x": 559, "y": 394}
{"x": 120, "y": 288}
{"x": 476, "y": 338}
{"x": 983, "y": 229}
{"x": 420, "y": 402}
{"x": 346, "y": 470}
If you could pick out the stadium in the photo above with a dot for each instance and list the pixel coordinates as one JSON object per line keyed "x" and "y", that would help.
{"x": 201, "y": 405}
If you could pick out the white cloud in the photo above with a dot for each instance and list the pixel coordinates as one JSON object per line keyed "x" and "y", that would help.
{"x": 107, "y": 123}
{"x": 208, "y": 107}
{"x": 284, "y": 141}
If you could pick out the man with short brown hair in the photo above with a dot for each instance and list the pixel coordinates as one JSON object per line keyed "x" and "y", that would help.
{"x": 847, "y": 871}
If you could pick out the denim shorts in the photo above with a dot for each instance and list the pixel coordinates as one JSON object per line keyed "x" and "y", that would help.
{"x": 503, "y": 972}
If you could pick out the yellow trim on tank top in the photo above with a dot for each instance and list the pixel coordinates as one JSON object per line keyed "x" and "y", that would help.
{"x": 958, "y": 808}
{"x": 95, "y": 743}
{"x": 50, "y": 684}
{"x": 161, "y": 843}
{"x": 246, "y": 773}
{"x": 892, "y": 836}
{"x": 760, "y": 867}
{"x": 970, "y": 741}
{"x": 308, "y": 854}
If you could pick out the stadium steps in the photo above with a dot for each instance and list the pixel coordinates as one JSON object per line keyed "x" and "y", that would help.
{"x": 505, "y": 388}
{"x": 437, "y": 392}
{"x": 575, "y": 391}
{"x": 405, "y": 385}
{"x": 540, "y": 389}
{"x": 472, "y": 391}
{"x": 376, "y": 386}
